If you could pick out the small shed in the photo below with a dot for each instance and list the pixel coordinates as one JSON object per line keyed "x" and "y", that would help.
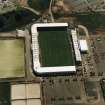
{"x": 83, "y": 45}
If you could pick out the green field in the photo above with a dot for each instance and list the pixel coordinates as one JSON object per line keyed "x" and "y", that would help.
{"x": 5, "y": 94}
{"x": 55, "y": 49}
{"x": 12, "y": 61}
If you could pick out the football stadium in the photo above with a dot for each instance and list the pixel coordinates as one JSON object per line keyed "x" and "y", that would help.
{"x": 52, "y": 48}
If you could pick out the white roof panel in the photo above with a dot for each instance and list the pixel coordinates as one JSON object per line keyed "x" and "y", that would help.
{"x": 56, "y": 69}
{"x": 18, "y": 102}
{"x": 75, "y": 43}
{"x": 83, "y": 45}
{"x": 34, "y": 102}
{"x": 33, "y": 90}
{"x": 34, "y": 26}
{"x": 18, "y": 92}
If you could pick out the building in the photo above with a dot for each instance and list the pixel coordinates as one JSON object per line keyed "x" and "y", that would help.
{"x": 83, "y": 46}
{"x": 51, "y": 48}
{"x": 87, "y": 5}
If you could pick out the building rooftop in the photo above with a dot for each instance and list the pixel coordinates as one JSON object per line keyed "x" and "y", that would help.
{"x": 83, "y": 45}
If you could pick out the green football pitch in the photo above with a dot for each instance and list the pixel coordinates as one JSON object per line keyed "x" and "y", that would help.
{"x": 55, "y": 48}
{"x": 12, "y": 61}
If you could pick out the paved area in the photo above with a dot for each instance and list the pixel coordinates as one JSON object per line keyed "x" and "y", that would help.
{"x": 98, "y": 48}
{"x": 62, "y": 90}
{"x": 30, "y": 76}
{"x": 92, "y": 90}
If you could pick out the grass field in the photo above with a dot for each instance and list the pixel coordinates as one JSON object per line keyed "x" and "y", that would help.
{"x": 12, "y": 63}
{"x": 5, "y": 94}
{"x": 55, "y": 49}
